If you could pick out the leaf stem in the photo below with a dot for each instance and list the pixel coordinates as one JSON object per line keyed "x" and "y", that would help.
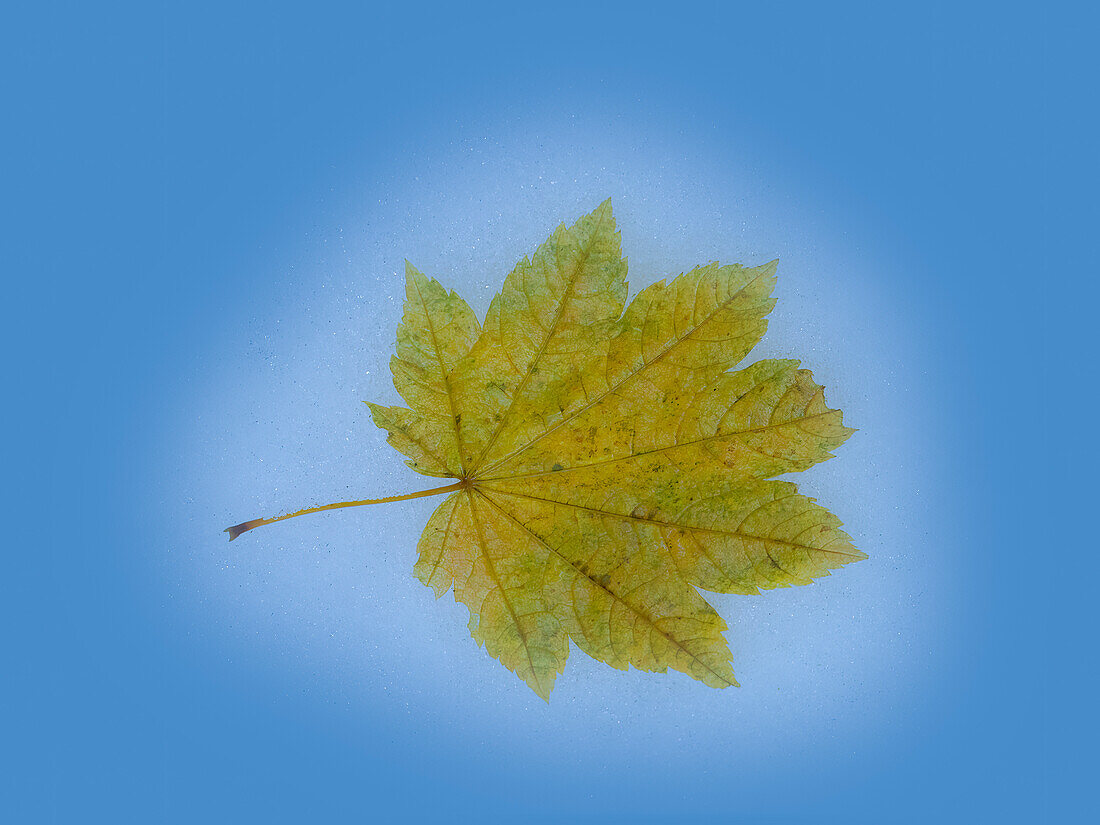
{"x": 244, "y": 527}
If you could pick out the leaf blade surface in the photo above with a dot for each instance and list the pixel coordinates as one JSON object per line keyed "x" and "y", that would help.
{"x": 611, "y": 458}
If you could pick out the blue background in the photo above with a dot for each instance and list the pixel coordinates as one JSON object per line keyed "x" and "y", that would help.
{"x": 206, "y": 207}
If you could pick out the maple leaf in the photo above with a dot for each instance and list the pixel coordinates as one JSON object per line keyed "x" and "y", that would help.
{"x": 608, "y": 461}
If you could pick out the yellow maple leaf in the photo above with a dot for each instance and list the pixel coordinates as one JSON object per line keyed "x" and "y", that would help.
{"x": 608, "y": 460}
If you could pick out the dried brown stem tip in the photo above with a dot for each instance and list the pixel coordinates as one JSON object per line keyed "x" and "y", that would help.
{"x": 244, "y": 527}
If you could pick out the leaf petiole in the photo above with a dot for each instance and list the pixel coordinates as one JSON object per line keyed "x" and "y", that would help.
{"x": 244, "y": 527}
